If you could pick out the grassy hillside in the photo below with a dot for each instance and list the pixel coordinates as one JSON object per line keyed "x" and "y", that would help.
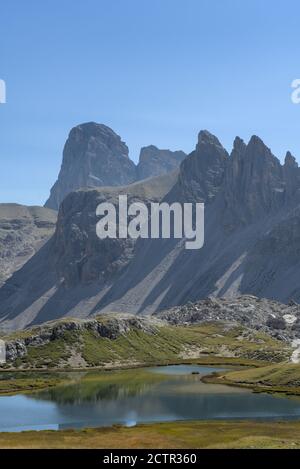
{"x": 162, "y": 343}
{"x": 26, "y": 383}
{"x": 283, "y": 377}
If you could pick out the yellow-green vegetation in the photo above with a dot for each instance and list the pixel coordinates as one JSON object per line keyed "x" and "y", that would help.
{"x": 24, "y": 383}
{"x": 282, "y": 377}
{"x": 52, "y": 353}
{"x": 165, "y": 435}
{"x": 91, "y": 383}
{"x": 166, "y": 344}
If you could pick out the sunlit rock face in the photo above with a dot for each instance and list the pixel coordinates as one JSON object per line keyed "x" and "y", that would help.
{"x": 94, "y": 156}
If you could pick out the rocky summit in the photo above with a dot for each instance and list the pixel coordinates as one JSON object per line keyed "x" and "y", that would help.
{"x": 95, "y": 156}
{"x": 252, "y": 242}
{"x": 154, "y": 162}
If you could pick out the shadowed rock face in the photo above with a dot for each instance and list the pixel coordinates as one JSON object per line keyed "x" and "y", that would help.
{"x": 252, "y": 243}
{"x": 80, "y": 256}
{"x": 23, "y": 230}
{"x": 154, "y": 161}
{"x": 257, "y": 184}
{"x": 254, "y": 183}
{"x": 202, "y": 172}
{"x": 73, "y": 269}
{"x": 94, "y": 155}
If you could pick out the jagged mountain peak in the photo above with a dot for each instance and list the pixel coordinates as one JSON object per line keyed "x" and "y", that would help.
{"x": 239, "y": 145}
{"x": 256, "y": 183}
{"x": 95, "y": 156}
{"x": 207, "y": 138}
{"x": 255, "y": 140}
{"x": 261, "y": 157}
{"x": 201, "y": 172}
{"x": 290, "y": 160}
{"x": 91, "y": 130}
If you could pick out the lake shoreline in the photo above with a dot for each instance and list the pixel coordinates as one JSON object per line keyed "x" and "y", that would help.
{"x": 218, "y": 378}
{"x": 129, "y": 398}
{"x": 178, "y": 434}
{"x": 33, "y": 386}
{"x": 213, "y": 360}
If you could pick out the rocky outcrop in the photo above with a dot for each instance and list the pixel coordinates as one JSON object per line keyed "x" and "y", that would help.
{"x": 110, "y": 328}
{"x": 94, "y": 155}
{"x": 154, "y": 162}
{"x": 271, "y": 317}
{"x": 23, "y": 230}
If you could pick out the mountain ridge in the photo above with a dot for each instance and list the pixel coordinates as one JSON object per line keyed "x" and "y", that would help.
{"x": 252, "y": 246}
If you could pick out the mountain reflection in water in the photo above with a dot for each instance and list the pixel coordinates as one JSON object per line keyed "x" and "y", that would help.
{"x": 135, "y": 396}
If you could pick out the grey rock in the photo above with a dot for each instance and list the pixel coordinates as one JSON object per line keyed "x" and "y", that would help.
{"x": 254, "y": 183}
{"x": 276, "y": 323}
{"x": 255, "y": 313}
{"x": 252, "y": 244}
{"x": 23, "y": 231}
{"x": 202, "y": 172}
{"x": 110, "y": 327}
{"x": 94, "y": 155}
{"x": 80, "y": 256}
{"x": 14, "y": 350}
{"x": 75, "y": 259}
{"x": 154, "y": 162}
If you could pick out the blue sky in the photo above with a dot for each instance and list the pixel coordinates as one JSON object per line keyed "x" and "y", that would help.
{"x": 156, "y": 71}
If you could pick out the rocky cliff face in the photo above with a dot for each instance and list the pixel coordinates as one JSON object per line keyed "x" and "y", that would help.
{"x": 95, "y": 156}
{"x": 23, "y": 230}
{"x": 202, "y": 172}
{"x": 154, "y": 162}
{"x": 110, "y": 328}
{"x": 255, "y": 182}
{"x": 80, "y": 256}
{"x": 252, "y": 243}
{"x": 73, "y": 270}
